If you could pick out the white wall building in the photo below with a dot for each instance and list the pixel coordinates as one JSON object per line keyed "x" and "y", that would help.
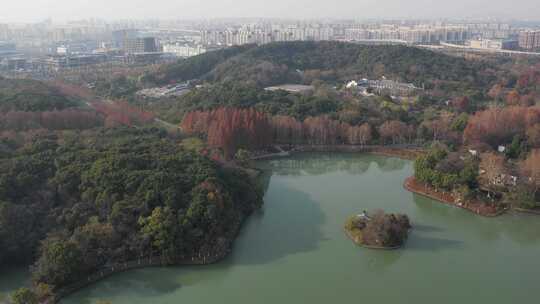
{"x": 183, "y": 50}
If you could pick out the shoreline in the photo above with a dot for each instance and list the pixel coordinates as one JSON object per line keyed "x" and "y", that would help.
{"x": 147, "y": 262}
{"x": 369, "y": 246}
{"x": 528, "y": 211}
{"x": 151, "y": 262}
{"x": 407, "y": 152}
{"x": 412, "y": 185}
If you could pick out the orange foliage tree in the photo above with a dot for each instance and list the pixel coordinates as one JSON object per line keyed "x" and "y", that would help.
{"x": 497, "y": 126}
{"x": 530, "y": 169}
{"x": 230, "y": 128}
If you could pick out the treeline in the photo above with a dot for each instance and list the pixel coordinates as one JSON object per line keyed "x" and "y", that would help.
{"x": 122, "y": 113}
{"x": 103, "y": 114}
{"x": 237, "y": 94}
{"x": 235, "y": 128}
{"x": 70, "y": 119}
{"x": 515, "y": 125}
{"x": 71, "y": 203}
{"x": 516, "y": 128}
{"x": 31, "y": 96}
{"x": 522, "y": 89}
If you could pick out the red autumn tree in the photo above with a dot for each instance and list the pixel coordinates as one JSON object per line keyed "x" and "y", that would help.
{"x": 122, "y": 113}
{"x": 359, "y": 134}
{"x": 513, "y": 98}
{"x": 530, "y": 169}
{"x": 230, "y": 128}
{"x": 287, "y": 130}
{"x": 461, "y": 104}
{"x": 394, "y": 130}
{"x": 498, "y": 126}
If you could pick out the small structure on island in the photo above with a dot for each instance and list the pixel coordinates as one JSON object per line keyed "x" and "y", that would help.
{"x": 378, "y": 230}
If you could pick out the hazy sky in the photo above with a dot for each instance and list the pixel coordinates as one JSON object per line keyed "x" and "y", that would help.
{"x": 62, "y": 10}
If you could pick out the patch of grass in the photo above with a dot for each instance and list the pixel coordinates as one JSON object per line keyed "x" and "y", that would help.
{"x": 193, "y": 144}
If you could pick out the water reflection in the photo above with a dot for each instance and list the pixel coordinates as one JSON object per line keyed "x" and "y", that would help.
{"x": 12, "y": 278}
{"x": 292, "y": 225}
{"x": 425, "y": 243}
{"x": 426, "y": 228}
{"x": 521, "y": 229}
{"x": 323, "y": 163}
{"x": 378, "y": 261}
{"x": 142, "y": 283}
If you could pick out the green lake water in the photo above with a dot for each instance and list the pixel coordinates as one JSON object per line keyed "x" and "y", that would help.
{"x": 294, "y": 249}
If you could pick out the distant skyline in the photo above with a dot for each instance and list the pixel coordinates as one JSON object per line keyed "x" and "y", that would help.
{"x": 65, "y": 10}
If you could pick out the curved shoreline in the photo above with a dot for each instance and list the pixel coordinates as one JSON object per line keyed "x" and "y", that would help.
{"x": 528, "y": 211}
{"x": 147, "y": 262}
{"x": 128, "y": 266}
{"x": 412, "y": 185}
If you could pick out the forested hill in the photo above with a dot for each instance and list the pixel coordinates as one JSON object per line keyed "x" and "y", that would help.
{"x": 328, "y": 61}
{"x": 31, "y": 96}
{"x": 197, "y": 66}
{"x": 73, "y": 202}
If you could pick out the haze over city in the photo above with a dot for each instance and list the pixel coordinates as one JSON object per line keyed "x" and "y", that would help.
{"x": 64, "y": 10}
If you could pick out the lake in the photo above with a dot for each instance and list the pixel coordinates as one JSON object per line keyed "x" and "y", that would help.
{"x": 294, "y": 249}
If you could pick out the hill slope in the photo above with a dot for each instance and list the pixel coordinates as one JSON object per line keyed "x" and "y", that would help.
{"x": 328, "y": 61}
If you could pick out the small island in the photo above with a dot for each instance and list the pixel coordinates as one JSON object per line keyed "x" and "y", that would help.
{"x": 378, "y": 230}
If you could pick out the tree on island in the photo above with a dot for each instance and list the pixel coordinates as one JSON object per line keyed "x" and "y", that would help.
{"x": 379, "y": 229}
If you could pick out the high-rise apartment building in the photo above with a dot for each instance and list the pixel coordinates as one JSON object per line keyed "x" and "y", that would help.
{"x": 121, "y": 36}
{"x": 529, "y": 40}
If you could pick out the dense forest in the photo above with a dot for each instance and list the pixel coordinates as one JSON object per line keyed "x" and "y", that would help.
{"x": 328, "y": 61}
{"x": 195, "y": 67}
{"x": 74, "y": 202}
{"x": 88, "y": 185}
{"x": 31, "y": 96}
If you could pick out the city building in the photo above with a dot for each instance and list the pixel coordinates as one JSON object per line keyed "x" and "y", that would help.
{"x": 59, "y": 62}
{"x": 7, "y": 49}
{"x": 174, "y": 90}
{"x": 493, "y": 44}
{"x": 12, "y": 64}
{"x": 529, "y": 40}
{"x": 141, "y": 45}
{"x": 383, "y": 85}
{"x": 184, "y": 50}
{"x": 119, "y": 37}
{"x": 411, "y": 35}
